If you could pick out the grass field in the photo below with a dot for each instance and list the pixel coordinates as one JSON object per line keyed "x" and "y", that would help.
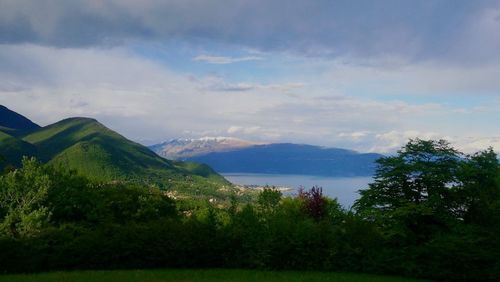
{"x": 196, "y": 275}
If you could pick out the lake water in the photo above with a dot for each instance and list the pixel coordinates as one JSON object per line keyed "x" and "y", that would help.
{"x": 343, "y": 188}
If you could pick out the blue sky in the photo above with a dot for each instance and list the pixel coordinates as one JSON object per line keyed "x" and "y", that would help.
{"x": 365, "y": 75}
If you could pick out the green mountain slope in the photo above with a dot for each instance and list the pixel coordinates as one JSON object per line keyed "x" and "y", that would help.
{"x": 13, "y": 149}
{"x": 100, "y": 153}
{"x": 85, "y": 145}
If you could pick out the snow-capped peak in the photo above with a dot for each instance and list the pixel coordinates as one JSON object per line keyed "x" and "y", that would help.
{"x": 188, "y": 147}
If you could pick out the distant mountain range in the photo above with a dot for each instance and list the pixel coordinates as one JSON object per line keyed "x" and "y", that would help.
{"x": 178, "y": 149}
{"x": 85, "y": 145}
{"x": 229, "y": 155}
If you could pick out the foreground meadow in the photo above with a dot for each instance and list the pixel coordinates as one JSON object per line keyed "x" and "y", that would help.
{"x": 197, "y": 275}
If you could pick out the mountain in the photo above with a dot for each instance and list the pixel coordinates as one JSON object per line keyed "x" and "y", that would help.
{"x": 286, "y": 158}
{"x": 15, "y": 124}
{"x": 178, "y": 149}
{"x": 87, "y": 146}
{"x": 92, "y": 149}
{"x": 13, "y": 149}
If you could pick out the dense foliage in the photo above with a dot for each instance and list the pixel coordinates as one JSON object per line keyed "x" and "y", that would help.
{"x": 199, "y": 275}
{"x": 430, "y": 212}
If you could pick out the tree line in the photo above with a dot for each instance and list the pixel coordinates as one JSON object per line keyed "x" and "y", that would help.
{"x": 430, "y": 212}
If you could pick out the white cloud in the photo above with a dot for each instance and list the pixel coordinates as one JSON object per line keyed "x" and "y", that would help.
{"x": 146, "y": 100}
{"x": 138, "y": 97}
{"x": 475, "y": 144}
{"x": 354, "y": 136}
{"x": 222, "y": 60}
{"x": 234, "y": 129}
{"x": 218, "y": 83}
{"x": 243, "y": 130}
{"x": 393, "y": 140}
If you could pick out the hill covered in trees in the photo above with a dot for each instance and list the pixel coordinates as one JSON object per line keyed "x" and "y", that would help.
{"x": 95, "y": 151}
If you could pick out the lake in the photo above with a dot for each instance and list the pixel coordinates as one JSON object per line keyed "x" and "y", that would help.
{"x": 343, "y": 188}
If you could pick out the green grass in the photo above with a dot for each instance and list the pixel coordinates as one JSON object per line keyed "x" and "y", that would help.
{"x": 197, "y": 275}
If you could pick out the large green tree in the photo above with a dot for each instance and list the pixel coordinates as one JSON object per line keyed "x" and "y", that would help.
{"x": 23, "y": 193}
{"x": 478, "y": 197}
{"x": 412, "y": 190}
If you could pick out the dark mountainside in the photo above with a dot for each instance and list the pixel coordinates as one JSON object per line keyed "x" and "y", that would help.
{"x": 288, "y": 158}
{"x": 12, "y": 149}
{"x": 15, "y": 124}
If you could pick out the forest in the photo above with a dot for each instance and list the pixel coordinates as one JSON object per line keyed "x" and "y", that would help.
{"x": 430, "y": 212}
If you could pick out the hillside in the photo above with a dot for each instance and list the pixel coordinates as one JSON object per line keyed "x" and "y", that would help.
{"x": 15, "y": 124}
{"x": 178, "y": 149}
{"x": 88, "y": 146}
{"x": 13, "y": 149}
{"x": 291, "y": 159}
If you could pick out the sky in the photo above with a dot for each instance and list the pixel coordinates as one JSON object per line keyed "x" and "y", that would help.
{"x": 364, "y": 75}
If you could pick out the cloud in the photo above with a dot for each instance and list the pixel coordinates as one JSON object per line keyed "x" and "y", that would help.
{"x": 354, "y": 136}
{"x": 365, "y": 75}
{"x": 416, "y": 30}
{"x": 221, "y": 60}
{"x": 480, "y": 39}
{"x": 393, "y": 140}
{"x": 218, "y": 83}
{"x": 399, "y": 78}
{"x": 234, "y": 129}
{"x": 243, "y": 130}
{"x": 145, "y": 99}
{"x": 475, "y": 144}
{"x": 141, "y": 98}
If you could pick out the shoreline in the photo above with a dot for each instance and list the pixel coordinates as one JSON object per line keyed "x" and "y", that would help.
{"x": 262, "y": 187}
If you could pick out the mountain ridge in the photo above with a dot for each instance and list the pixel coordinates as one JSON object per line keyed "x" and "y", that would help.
{"x": 14, "y": 123}
{"x": 183, "y": 148}
{"x": 282, "y": 158}
{"x": 92, "y": 149}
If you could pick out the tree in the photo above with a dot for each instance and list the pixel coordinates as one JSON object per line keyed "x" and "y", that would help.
{"x": 478, "y": 198}
{"x": 314, "y": 204}
{"x": 268, "y": 199}
{"x": 6, "y": 166}
{"x": 413, "y": 189}
{"x": 23, "y": 193}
